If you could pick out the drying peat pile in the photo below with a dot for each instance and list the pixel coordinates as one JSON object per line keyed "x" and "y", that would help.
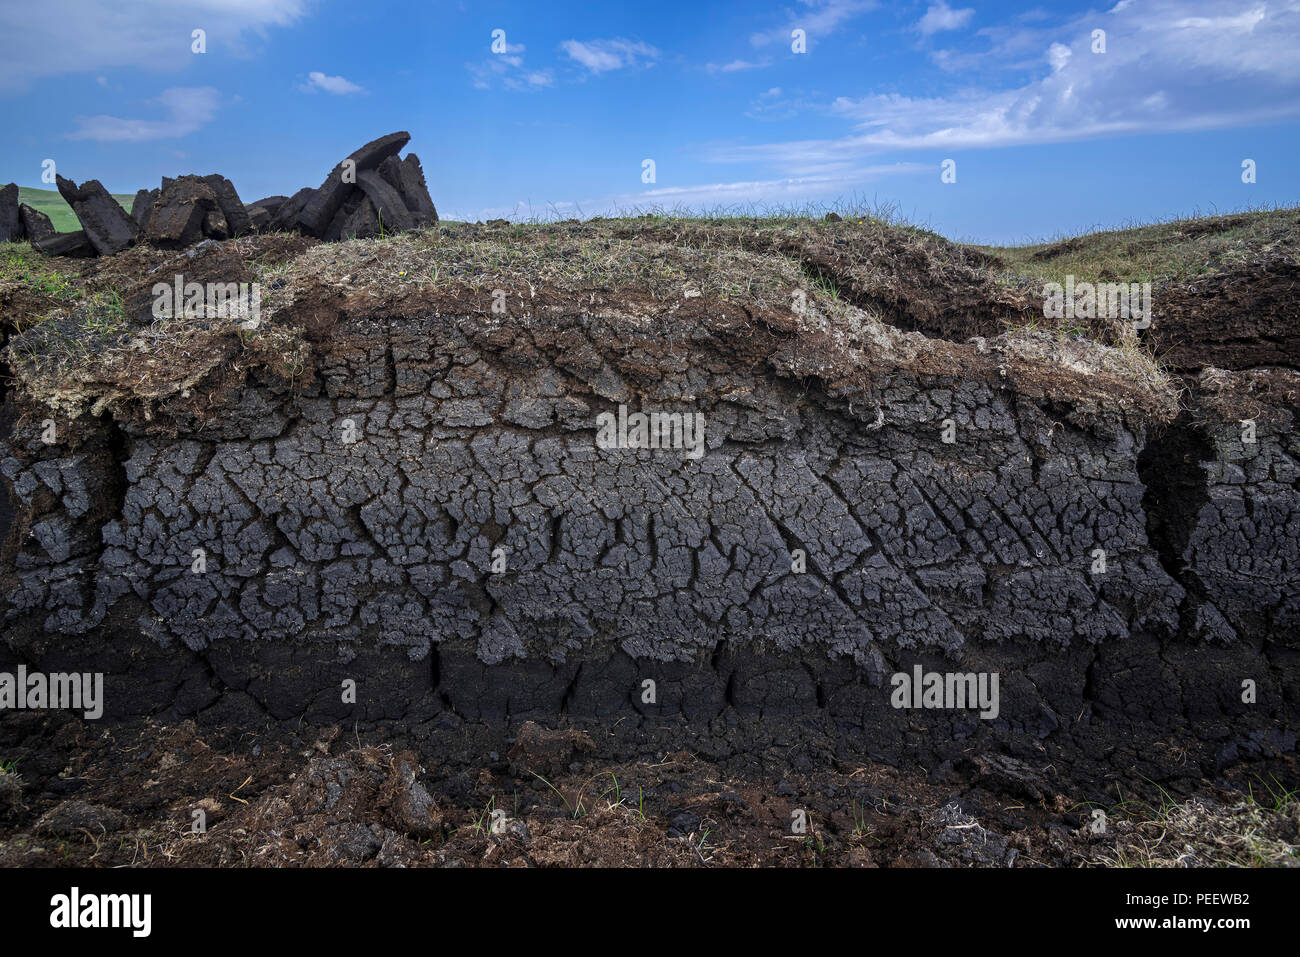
{"x": 371, "y": 192}
{"x": 516, "y": 505}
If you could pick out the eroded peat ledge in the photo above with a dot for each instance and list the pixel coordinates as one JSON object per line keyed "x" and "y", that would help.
{"x": 395, "y": 476}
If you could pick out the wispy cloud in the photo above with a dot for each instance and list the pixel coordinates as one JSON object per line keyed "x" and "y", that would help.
{"x": 830, "y": 184}
{"x": 507, "y": 70}
{"x": 943, "y": 17}
{"x": 776, "y": 103}
{"x": 71, "y": 36}
{"x": 536, "y": 79}
{"x": 601, "y": 56}
{"x": 816, "y": 18}
{"x": 317, "y": 81}
{"x": 1168, "y": 67}
{"x": 736, "y": 66}
{"x": 187, "y": 108}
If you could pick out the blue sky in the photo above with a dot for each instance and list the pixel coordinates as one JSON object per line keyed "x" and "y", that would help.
{"x": 1047, "y": 135}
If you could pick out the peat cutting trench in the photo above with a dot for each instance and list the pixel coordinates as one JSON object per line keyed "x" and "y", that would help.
{"x": 392, "y": 503}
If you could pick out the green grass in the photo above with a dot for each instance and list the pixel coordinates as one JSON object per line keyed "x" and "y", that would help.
{"x": 79, "y": 330}
{"x": 49, "y": 202}
{"x": 20, "y": 263}
{"x": 1179, "y": 249}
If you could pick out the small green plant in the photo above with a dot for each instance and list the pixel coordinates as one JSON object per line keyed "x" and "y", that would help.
{"x": 18, "y": 267}
{"x": 576, "y": 812}
{"x": 482, "y": 825}
{"x": 617, "y": 791}
{"x": 861, "y": 829}
{"x": 1277, "y": 797}
{"x": 106, "y": 313}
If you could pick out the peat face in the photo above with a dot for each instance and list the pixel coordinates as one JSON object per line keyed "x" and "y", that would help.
{"x": 418, "y": 519}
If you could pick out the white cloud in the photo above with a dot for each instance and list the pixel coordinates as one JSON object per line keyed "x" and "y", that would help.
{"x": 337, "y": 85}
{"x": 736, "y": 66}
{"x": 814, "y": 184}
{"x": 1058, "y": 55}
{"x": 1169, "y": 67}
{"x": 1010, "y": 47}
{"x": 73, "y": 36}
{"x": 483, "y": 73}
{"x": 187, "y": 108}
{"x": 943, "y": 17}
{"x": 507, "y": 69}
{"x": 819, "y": 18}
{"x": 512, "y": 55}
{"x": 776, "y": 104}
{"x": 601, "y": 56}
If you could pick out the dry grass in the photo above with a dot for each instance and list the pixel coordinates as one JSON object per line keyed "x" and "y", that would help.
{"x": 1263, "y": 830}
{"x": 571, "y": 264}
{"x": 867, "y": 280}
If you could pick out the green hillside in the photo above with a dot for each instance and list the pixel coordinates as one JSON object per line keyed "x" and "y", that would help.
{"x": 49, "y": 202}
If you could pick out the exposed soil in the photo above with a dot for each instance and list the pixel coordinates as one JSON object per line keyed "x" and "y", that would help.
{"x": 329, "y": 797}
{"x": 1241, "y": 318}
{"x": 906, "y": 466}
